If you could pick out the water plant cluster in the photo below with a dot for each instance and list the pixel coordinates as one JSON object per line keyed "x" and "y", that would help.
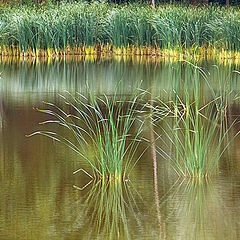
{"x": 189, "y": 129}
{"x": 195, "y": 126}
{"x": 133, "y": 29}
{"x": 102, "y": 129}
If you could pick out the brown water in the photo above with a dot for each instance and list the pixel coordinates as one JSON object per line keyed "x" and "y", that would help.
{"x": 42, "y": 199}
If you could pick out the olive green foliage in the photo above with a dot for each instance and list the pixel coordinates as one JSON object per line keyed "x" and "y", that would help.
{"x": 81, "y": 23}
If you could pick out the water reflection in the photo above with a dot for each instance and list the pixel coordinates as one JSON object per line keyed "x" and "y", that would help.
{"x": 38, "y": 200}
{"x": 102, "y": 75}
{"x": 106, "y": 207}
{"x": 202, "y": 210}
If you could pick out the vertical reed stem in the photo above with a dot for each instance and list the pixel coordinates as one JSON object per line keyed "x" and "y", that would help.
{"x": 155, "y": 179}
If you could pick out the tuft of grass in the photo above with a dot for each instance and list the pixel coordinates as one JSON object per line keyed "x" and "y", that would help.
{"x": 106, "y": 131}
{"x": 195, "y": 127}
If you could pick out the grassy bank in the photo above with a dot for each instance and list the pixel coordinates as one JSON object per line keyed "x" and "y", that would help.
{"x": 89, "y": 29}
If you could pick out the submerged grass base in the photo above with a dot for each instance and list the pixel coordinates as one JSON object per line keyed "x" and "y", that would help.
{"x": 114, "y": 178}
{"x": 100, "y": 50}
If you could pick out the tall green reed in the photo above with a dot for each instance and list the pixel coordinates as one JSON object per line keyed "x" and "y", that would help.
{"x": 81, "y": 23}
{"x": 106, "y": 131}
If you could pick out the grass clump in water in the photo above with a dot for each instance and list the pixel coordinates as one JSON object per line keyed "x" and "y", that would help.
{"x": 195, "y": 127}
{"x": 106, "y": 132}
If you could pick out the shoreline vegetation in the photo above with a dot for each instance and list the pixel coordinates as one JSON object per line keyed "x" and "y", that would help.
{"x": 108, "y": 50}
{"x": 143, "y": 59}
{"x": 82, "y": 28}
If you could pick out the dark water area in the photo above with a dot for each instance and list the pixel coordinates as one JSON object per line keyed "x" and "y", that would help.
{"x": 41, "y": 198}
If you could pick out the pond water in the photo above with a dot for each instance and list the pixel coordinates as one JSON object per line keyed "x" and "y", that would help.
{"x": 41, "y": 198}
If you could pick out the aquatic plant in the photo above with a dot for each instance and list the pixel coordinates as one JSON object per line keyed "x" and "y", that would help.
{"x": 83, "y": 28}
{"x": 106, "y": 131}
{"x": 195, "y": 127}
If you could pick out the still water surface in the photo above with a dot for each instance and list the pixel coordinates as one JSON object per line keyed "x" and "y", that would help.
{"x": 42, "y": 199}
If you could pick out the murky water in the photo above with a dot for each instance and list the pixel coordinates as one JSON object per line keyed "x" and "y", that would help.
{"x": 42, "y": 199}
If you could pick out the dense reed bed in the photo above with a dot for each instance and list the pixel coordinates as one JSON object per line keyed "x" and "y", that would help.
{"x": 92, "y": 28}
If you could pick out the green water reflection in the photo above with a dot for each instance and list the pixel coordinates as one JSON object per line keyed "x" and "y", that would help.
{"x": 102, "y": 75}
{"x": 38, "y": 197}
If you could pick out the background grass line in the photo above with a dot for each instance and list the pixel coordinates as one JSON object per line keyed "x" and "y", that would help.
{"x": 83, "y": 26}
